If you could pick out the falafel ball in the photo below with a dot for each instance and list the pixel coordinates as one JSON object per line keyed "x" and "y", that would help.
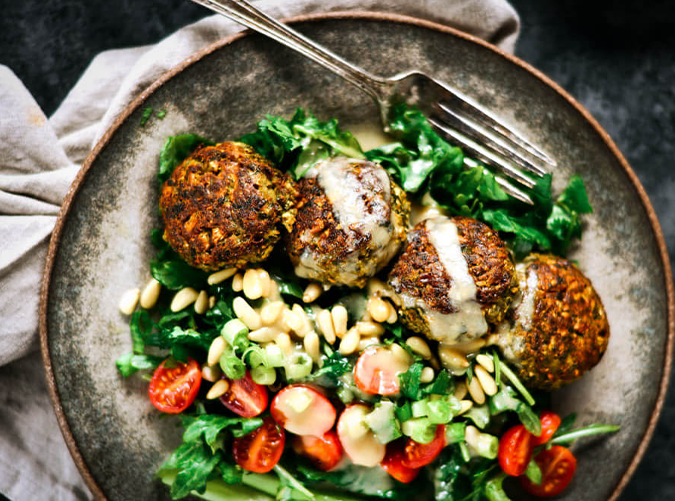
{"x": 454, "y": 277}
{"x": 224, "y": 206}
{"x": 352, "y": 219}
{"x": 560, "y": 327}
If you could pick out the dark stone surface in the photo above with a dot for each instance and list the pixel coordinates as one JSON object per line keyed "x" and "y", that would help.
{"x": 616, "y": 57}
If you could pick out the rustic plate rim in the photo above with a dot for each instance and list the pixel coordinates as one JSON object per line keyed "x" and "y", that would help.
{"x": 368, "y": 16}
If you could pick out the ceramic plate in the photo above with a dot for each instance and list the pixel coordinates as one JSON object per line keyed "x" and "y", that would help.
{"x": 101, "y": 244}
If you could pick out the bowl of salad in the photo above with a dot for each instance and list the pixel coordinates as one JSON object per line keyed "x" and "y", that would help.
{"x": 253, "y": 292}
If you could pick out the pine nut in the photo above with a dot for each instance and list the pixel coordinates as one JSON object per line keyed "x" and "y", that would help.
{"x": 212, "y": 302}
{"x": 393, "y": 316}
{"x": 427, "y": 375}
{"x": 419, "y": 346}
{"x": 202, "y": 303}
{"x": 311, "y": 344}
{"x": 325, "y": 321}
{"x": 304, "y": 324}
{"x": 487, "y": 362}
{"x": 379, "y": 309}
{"x": 486, "y": 381}
{"x": 350, "y": 341}
{"x": 375, "y": 286}
{"x": 452, "y": 359}
{"x": 270, "y": 312}
{"x": 340, "y": 318}
{"x": 262, "y": 335}
{"x": 150, "y": 294}
{"x": 129, "y": 300}
{"x": 466, "y": 405}
{"x": 399, "y": 352}
{"x": 216, "y": 349}
{"x": 246, "y": 314}
{"x": 476, "y": 391}
{"x": 253, "y": 287}
{"x": 470, "y": 346}
{"x": 238, "y": 282}
{"x": 283, "y": 341}
{"x": 221, "y": 276}
{"x": 184, "y": 298}
{"x": 219, "y": 388}
{"x": 312, "y": 293}
{"x": 265, "y": 282}
{"x": 370, "y": 328}
{"x": 291, "y": 320}
{"x": 211, "y": 372}
{"x": 460, "y": 390}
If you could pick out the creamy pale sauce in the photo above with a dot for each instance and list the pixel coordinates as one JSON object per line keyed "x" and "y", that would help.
{"x": 427, "y": 208}
{"x": 348, "y": 195}
{"x": 525, "y": 310}
{"x": 468, "y": 321}
{"x": 370, "y": 136}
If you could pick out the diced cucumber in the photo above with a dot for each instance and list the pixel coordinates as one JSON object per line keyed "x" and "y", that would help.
{"x": 382, "y": 421}
{"x": 421, "y": 430}
{"x": 439, "y": 412}
{"x": 420, "y": 409}
{"x": 454, "y": 433}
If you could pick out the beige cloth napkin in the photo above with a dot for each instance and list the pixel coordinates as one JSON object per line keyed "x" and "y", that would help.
{"x": 39, "y": 158}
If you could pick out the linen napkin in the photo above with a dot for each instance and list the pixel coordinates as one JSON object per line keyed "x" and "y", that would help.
{"x": 40, "y": 156}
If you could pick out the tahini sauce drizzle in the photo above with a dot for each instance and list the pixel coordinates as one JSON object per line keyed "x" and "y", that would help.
{"x": 468, "y": 321}
{"x": 525, "y": 307}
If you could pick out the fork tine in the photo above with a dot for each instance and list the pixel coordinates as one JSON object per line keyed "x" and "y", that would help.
{"x": 473, "y": 111}
{"x": 482, "y": 153}
{"x": 482, "y": 135}
{"x": 508, "y": 188}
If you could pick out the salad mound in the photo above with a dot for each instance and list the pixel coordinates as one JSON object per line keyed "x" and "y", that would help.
{"x": 356, "y": 357}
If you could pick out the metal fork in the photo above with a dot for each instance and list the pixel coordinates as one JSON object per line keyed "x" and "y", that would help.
{"x": 453, "y": 115}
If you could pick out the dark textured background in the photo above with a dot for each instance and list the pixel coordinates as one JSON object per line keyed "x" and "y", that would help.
{"x": 616, "y": 57}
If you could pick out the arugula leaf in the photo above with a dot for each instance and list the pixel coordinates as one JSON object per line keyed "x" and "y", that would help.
{"x": 147, "y": 113}
{"x": 333, "y": 367}
{"x": 209, "y": 426}
{"x": 129, "y": 363}
{"x": 175, "y": 150}
{"x": 140, "y": 326}
{"x": 195, "y": 463}
{"x": 410, "y": 381}
{"x": 298, "y": 144}
{"x": 442, "y": 385}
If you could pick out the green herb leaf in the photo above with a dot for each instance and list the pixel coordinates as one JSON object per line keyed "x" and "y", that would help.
{"x": 208, "y": 426}
{"x": 410, "y": 381}
{"x": 175, "y": 150}
{"x": 129, "y": 363}
{"x": 533, "y": 472}
{"x": 147, "y": 113}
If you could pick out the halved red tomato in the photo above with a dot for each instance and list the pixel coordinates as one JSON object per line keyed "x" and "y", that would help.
{"x": 557, "y": 465}
{"x": 172, "y": 390}
{"x": 325, "y": 451}
{"x": 260, "y": 450}
{"x": 245, "y": 397}
{"x": 416, "y": 455}
{"x": 377, "y": 370}
{"x": 515, "y": 450}
{"x": 549, "y": 425}
{"x": 393, "y": 463}
{"x": 303, "y": 410}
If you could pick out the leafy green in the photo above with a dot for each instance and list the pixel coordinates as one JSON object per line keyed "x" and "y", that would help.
{"x": 587, "y": 431}
{"x": 334, "y": 366}
{"x": 422, "y": 162}
{"x": 175, "y": 150}
{"x": 169, "y": 269}
{"x": 533, "y": 472}
{"x": 410, "y": 381}
{"x": 129, "y": 363}
{"x": 299, "y": 143}
{"x": 209, "y": 426}
{"x": 147, "y": 113}
{"x": 506, "y": 400}
{"x": 140, "y": 326}
{"x": 195, "y": 463}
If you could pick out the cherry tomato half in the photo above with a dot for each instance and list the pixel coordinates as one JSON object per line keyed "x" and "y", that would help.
{"x": 245, "y": 397}
{"x": 325, "y": 452}
{"x": 557, "y": 465}
{"x": 172, "y": 390}
{"x": 549, "y": 425}
{"x": 393, "y": 463}
{"x": 416, "y": 455}
{"x": 260, "y": 450}
{"x": 377, "y": 370}
{"x": 515, "y": 450}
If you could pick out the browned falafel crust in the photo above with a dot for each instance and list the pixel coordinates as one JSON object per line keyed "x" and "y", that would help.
{"x": 569, "y": 332}
{"x": 419, "y": 273}
{"x": 318, "y": 231}
{"x": 223, "y": 206}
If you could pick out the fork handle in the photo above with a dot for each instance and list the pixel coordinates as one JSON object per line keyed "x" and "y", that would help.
{"x": 246, "y": 14}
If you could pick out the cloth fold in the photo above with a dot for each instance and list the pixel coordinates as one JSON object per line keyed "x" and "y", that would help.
{"x": 39, "y": 158}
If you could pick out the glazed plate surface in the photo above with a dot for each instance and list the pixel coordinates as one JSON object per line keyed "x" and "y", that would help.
{"x": 101, "y": 246}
